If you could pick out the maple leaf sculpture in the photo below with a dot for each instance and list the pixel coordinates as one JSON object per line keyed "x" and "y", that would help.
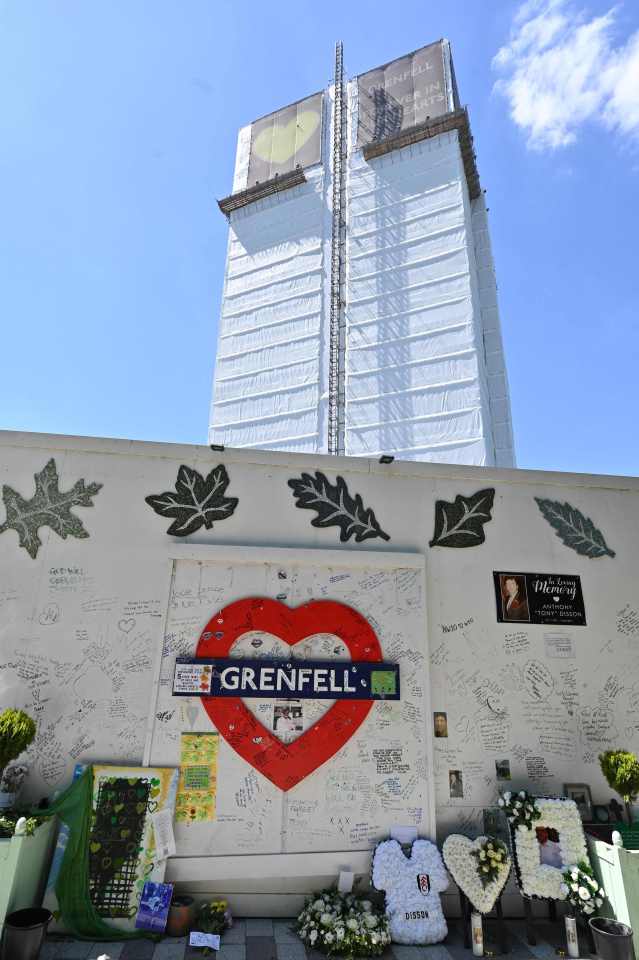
{"x": 47, "y": 508}
{"x": 198, "y": 501}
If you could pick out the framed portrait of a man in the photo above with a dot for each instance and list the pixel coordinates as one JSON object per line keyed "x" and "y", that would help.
{"x": 514, "y": 598}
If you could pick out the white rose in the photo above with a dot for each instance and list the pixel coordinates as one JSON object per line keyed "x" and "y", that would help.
{"x": 328, "y": 936}
{"x": 599, "y": 901}
{"x": 351, "y": 924}
{"x": 507, "y": 796}
{"x": 326, "y": 919}
{"x": 584, "y": 893}
{"x": 370, "y": 921}
{"x": 522, "y": 794}
{"x": 588, "y": 908}
{"x": 319, "y": 905}
{"x": 500, "y": 802}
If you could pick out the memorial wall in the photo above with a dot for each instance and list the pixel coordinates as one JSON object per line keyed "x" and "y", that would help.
{"x": 478, "y": 629}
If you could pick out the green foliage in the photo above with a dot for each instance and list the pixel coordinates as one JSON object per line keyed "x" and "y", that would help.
{"x": 621, "y": 770}
{"x": 17, "y": 732}
{"x": 212, "y": 917}
{"x": 8, "y": 825}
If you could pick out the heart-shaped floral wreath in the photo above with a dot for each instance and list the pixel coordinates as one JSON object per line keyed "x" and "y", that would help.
{"x": 464, "y": 861}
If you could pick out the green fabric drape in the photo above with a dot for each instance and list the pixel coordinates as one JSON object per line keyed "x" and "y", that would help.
{"x": 76, "y": 910}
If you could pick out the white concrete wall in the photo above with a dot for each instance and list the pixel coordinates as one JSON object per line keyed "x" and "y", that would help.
{"x": 82, "y": 630}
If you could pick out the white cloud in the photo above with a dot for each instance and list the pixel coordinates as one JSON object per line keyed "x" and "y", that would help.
{"x": 562, "y": 68}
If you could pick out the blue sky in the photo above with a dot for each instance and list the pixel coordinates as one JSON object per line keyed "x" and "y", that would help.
{"x": 117, "y": 133}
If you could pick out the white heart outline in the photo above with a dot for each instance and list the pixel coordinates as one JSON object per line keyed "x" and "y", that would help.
{"x": 462, "y": 866}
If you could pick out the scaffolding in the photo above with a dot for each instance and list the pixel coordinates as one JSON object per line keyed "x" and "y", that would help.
{"x": 336, "y": 392}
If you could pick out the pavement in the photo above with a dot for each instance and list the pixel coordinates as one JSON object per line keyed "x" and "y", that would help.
{"x": 274, "y": 940}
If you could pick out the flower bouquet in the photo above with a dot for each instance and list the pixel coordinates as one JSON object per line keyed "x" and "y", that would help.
{"x": 520, "y": 808}
{"x": 343, "y": 925}
{"x": 213, "y": 916}
{"x": 581, "y": 890}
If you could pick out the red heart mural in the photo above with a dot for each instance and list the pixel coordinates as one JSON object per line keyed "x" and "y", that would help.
{"x": 286, "y": 764}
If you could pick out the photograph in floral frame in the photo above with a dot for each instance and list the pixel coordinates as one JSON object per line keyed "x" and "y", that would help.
{"x": 343, "y": 925}
{"x": 541, "y": 855}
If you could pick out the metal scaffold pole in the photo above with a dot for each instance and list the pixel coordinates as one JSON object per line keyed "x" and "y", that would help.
{"x": 337, "y": 328}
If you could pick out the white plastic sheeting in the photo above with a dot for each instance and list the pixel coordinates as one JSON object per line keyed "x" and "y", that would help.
{"x": 270, "y": 356}
{"x": 424, "y": 372}
{"x": 416, "y": 379}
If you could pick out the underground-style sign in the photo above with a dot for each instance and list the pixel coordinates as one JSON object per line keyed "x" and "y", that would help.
{"x": 286, "y": 765}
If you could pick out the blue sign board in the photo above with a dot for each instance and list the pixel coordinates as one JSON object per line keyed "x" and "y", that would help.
{"x": 304, "y": 679}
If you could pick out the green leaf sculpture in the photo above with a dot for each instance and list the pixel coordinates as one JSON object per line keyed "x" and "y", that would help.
{"x": 576, "y": 531}
{"x": 47, "y": 508}
{"x": 198, "y": 501}
{"x": 461, "y": 523}
{"x": 621, "y": 770}
{"x": 335, "y": 506}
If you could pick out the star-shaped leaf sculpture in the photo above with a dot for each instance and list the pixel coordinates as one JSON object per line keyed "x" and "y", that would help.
{"x": 49, "y": 507}
{"x": 198, "y": 501}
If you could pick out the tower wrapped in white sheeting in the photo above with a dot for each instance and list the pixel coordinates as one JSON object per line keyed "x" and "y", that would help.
{"x": 420, "y": 370}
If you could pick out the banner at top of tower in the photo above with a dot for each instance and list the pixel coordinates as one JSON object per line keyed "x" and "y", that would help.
{"x": 286, "y": 139}
{"x": 403, "y": 93}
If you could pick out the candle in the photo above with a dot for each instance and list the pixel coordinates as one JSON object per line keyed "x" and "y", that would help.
{"x": 478, "y": 934}
{"x": 571, "y": 937}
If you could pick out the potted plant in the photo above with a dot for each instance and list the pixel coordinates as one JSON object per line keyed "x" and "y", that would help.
{"x": 25, "y": 851}
{"x": 181, "y": 916}
{"x": 17, "y": 732}
{"x": 621, "y": 770}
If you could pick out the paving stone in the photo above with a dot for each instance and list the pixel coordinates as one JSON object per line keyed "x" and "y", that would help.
{"x": 49, "y": 949}
{"x": 284, "y": 933}
{"x": 403, "y": 952}
{"x": 290, "y": 951}
{"x": 260, "y": 948}
{"x": 234, "y": 951}
{"x": 138, "y": 950}
{"x": 74, "y": 950}
{"x": 259, "y": 928}
{"x": 237, "y": 933}
{"x": 113, "y": 950}
{"x": 170, "y": 949}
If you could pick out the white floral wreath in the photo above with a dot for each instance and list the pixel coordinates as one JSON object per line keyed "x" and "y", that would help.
{"x": 461, "y": 858}
{"x": 412, "y": 885}
{"x": 536, "y": 879}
